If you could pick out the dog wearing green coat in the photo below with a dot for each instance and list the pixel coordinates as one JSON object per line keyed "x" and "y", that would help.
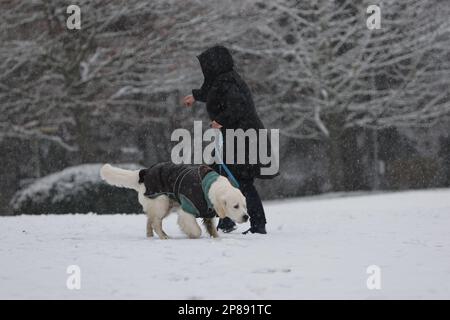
{"x": 196, "y": 191}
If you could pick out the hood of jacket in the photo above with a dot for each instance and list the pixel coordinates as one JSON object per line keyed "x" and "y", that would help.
{"x": 215, "y": 61}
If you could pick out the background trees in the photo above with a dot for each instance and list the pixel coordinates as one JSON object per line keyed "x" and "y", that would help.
{"x": 336, "y": 77}
{"x": 350, "y": 102}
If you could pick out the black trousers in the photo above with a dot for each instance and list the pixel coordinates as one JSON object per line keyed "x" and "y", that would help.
{"x": 255, "y": 207}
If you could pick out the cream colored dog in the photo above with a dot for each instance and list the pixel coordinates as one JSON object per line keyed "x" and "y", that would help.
{"x": 227, "y": 201}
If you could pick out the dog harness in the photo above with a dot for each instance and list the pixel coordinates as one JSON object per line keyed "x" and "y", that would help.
{"x": 187, "y": 184}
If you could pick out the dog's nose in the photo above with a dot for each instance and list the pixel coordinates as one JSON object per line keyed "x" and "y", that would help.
{"x": 245, "y": 218}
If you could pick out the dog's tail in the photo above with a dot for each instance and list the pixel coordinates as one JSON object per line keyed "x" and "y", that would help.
{"x": 120, "y": 177}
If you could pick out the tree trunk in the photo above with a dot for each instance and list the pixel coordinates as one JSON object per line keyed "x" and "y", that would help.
{"x": 376, "y": 161}
{"x": 85, "y": 141}
{"x": 353, "y": 144}
{"x": 335, "y": 165}
{"x": 334, "y": 153}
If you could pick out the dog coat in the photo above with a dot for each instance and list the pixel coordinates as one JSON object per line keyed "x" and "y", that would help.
{"x": 187, "y": 184}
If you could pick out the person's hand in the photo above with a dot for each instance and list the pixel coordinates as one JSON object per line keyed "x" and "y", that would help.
{"x": 215, "y": 125}
{"x": 188, "y": 101}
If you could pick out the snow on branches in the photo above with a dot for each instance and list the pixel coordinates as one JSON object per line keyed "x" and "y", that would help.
{"x": 54, "y": 80}
{"x": 334, "y": 73}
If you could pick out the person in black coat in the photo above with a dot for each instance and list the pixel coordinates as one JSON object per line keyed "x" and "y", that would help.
{"x": 230, "y": 105}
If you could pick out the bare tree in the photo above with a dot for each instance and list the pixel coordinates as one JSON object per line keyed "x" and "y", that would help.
{"x": 334, "y": 74}
{"x": 54, "y": 81}
{"x": 317, "y": 71}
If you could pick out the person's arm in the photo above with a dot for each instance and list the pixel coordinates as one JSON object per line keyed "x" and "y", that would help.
{"x": 200, "y": 94}
{"x": 197, "y": 95}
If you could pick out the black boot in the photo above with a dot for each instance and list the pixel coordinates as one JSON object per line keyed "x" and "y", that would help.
{"x": 226, "y": 225}
{"x": 254, "y": 207}
{"x": 256, "y": 229}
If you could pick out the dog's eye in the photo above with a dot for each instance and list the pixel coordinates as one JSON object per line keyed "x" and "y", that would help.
{"x": 236, "y": 206}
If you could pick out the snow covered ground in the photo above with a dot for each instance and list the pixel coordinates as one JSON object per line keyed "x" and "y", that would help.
{"x": 316, "y": 248}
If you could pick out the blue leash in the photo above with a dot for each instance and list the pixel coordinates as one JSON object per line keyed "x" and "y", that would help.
{"x": 234, "y": 181}
{"x": 218, "y": 146}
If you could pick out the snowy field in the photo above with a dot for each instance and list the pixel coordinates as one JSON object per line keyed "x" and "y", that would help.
{"x": 317, "y": 247}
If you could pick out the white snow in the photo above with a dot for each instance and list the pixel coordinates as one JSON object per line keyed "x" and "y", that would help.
{"x": 316, "y": 248}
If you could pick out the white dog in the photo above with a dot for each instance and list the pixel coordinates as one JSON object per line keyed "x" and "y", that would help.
{"x": 197, "y": 192}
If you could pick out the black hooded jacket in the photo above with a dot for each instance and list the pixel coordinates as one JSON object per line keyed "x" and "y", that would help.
{"x": 227, "y": 97}
{"x": 229, "y": 102}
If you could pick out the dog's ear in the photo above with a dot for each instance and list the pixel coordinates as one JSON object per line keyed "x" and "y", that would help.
{"x": 220, "y": 207}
